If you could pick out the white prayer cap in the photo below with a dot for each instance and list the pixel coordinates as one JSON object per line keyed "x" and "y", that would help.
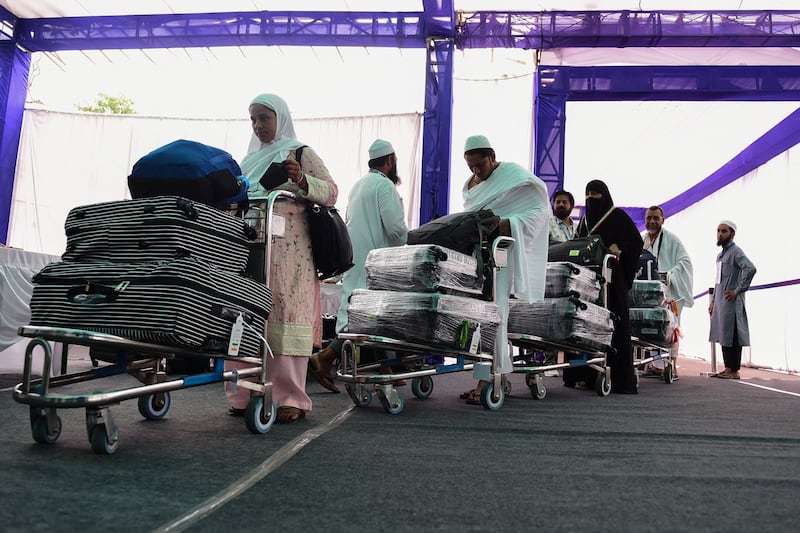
{"x": 476, "y": 142}
{"x": 729, "y": 223}
{"x": 380, "y": 148}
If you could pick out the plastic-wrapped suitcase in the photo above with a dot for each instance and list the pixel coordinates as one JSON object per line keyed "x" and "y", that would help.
{"x": 183, "y": 303}
{"x": 646, "y": 293}
{"x": 423, "y": 268}
{"x": 655, "y": 324}
{"x": 424, "y": 318}
{"x": 563, "y": 278}
{"x": 570, "y": 320}
{"x": 154, "y": 229}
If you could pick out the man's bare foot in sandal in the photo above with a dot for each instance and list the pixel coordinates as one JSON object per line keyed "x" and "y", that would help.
{"x": 320, "y": 366}
{"x": 288, "y": 414}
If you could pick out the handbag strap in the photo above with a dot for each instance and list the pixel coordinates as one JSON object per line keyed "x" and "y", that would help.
{"x": 602, "y": 219}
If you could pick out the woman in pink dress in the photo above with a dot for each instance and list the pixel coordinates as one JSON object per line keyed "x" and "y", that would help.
{"x": 294, "y": 325}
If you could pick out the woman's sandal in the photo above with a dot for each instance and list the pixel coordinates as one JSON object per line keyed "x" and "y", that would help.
{"x": 288, "y": 414}
{"x": 467, "y": 394}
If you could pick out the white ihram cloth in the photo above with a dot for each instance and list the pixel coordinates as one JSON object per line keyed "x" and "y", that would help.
{"x": 673, "y": 259}
{"x": 514, "y": 193}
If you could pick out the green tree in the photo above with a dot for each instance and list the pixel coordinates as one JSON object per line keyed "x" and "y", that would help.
{"x": 104, "y": 103}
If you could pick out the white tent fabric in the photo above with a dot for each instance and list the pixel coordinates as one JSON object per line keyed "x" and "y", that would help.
{"x": 71, "y": 159}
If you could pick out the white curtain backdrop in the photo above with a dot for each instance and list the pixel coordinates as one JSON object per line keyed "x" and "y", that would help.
{"x": 71, "y": 159}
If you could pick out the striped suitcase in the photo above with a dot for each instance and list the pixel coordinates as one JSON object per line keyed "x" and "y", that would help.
{"x": 154, "y": 229}
{"x": 183, "y": 303}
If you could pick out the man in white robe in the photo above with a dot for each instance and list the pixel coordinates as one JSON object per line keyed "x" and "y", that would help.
{"x": 674, "y": 261}
{"x": 671, "y": 256}
{"x": 521, "y": 201}
{"x": 375, "y": 219}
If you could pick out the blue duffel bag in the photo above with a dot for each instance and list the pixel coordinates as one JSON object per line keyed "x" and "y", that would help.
{"x": 190, "y": 169}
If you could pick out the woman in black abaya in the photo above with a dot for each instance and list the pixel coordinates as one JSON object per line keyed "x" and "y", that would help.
{"x": 620, "y": 235}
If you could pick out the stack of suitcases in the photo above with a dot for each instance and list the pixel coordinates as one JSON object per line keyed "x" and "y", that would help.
{"x": 163, "y": 270}
{"x": 425, "y": 294}
{"x": 651, "y": 314}
{"x": 570, "y": 312}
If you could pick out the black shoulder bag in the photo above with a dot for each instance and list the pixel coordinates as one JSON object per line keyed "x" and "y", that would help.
{"x": 330, "y": 241}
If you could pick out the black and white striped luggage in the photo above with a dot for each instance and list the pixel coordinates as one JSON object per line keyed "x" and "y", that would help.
{"x": 569, "y": 279}
{"x": 155, "y": 229}
{"x": 183, "y": 303}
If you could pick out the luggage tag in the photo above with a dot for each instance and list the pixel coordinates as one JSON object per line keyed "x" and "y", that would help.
{"x": 476, "y": 340}
{"x": 278, "y": 226}
{"x": 236, "y": 335}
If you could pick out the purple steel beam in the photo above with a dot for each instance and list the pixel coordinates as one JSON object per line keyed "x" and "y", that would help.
{"x": 594, "y": 29}
{"x": 394, "y": 29}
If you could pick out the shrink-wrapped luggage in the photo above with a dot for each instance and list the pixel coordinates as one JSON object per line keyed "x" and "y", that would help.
{"x": 568, "y": 279}
{"x": 183, "y": 303}
{"x": 424, "y": 318}
{"x": 155, "y": 229}
{"x": 423, "y": 268}
{"x": 647, "y": 294}
{"x": 568, "y": 320}
{"x": 655, "y": 324}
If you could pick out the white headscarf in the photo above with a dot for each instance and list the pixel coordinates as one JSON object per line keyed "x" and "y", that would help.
{"x": 261, "y": 155}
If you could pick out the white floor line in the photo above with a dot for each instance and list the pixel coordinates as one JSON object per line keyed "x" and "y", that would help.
{"x": 770, "y": 388}
{"x": 255, "y": 475}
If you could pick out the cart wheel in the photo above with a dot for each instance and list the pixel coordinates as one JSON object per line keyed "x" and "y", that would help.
{"x": 538, "y": 392}
{"x": 530, "y": 380}
{"x": 43, "y": 434}
{"x": 154, "y": 406}
{"x": 99, "y": 440}
{"x": 486, "y": 398}
{"x": 602, "y": 385}
{"x": 392, "y": 409}
{"x": 257, "y": 418}
{"x": 361, "y": 396}
{"x": 506, "y": 385}
{"x": 668, "y": 375}
{"x": 422, "y": 387}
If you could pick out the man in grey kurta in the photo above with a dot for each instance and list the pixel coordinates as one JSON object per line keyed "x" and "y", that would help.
{"x": 375, "y": 219}
{"x": 728, "y": 314}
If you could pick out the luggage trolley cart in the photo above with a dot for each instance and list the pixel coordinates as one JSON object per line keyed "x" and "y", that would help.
{"x": 145, "y": 362}
{"x": 590, "y": 354}
{"x": 595, "y": 359}
{"x": 491, "y": 367}
{"x": 645, "y": 352}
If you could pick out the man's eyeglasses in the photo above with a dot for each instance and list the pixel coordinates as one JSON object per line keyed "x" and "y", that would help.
{"x": 653, "y": 218}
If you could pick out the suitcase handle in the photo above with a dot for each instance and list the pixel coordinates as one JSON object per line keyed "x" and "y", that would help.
{"x": 91, "y": 294}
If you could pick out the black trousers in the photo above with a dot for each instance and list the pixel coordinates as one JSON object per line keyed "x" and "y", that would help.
{"x": 732, "y": 355}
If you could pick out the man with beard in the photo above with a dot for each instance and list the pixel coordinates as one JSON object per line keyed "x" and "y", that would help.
{"x": 729, "y": 325}
{"x": 520, "y": 200}
{"x": 673, "y": 261}
{"x": 561, "y": 227}
{"x": 622, "y": 238}
{"x": 375, "y": 219}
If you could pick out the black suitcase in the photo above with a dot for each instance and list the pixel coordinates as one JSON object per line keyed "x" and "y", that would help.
{"x": 153, "y": 229}
{"x": 423, "y": 318}
{"x": 565, "y": 320}
{"x": 586, "y": 251}
{"x": 423, "y": 268}
{"x": 656, "y": 324}
{"x": 182, "y": 303}
{"x": 563, "y": 278}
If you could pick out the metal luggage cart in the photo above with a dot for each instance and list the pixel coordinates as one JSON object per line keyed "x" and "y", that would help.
{"x": 491, "y": 367}
{"x": 595, "y": 359}
{"x": 645, "y": 352}
{"x": 568, "y": 355}
{"x": 145, "y": 362}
